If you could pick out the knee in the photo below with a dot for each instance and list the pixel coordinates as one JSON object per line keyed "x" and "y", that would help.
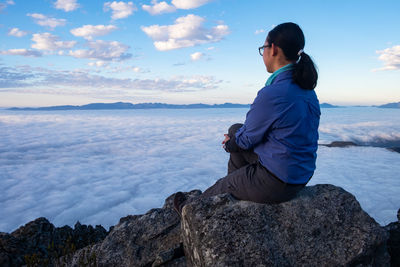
{"x": 234, "y": 128}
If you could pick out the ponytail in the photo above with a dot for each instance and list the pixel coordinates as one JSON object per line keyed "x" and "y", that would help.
{"x": 290, "y": 38}
{"x": 305, "y": 73}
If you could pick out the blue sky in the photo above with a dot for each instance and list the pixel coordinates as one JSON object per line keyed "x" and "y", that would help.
{"x": 189, "y": 51}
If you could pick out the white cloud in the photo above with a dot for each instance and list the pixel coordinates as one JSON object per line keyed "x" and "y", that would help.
{"x": 16, "y": 32}
{"x": 259, "y": 31}
{"x": 30, "y": 77}
{"x": 22, "y": 52}
{"x": 187, "y": 31}
{"x": 98, "y": 63}
{"x": 43, "y": 20}
{"x": 196, "y": 56}
{"x": 120, "y": 9}
{"x": 103, "y": 50}
{"x": 90, "y": 31}
{"x": 47, "y": 41}
{"x": 66, "y": 5}
{"x": 7, "y": 3}
{"x": 189, "y": 4}
{"x": 158, "y": 8}
{"x": 129, "y": 69}
{"x": 390, "y": 57}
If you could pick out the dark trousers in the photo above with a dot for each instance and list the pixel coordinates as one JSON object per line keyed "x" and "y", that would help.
{"x": 247, "y": 179}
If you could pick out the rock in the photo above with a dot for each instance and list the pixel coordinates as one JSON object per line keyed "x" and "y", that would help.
{"x": 152, "y": 239}
{"x": 341, "y": 144}
{"x": 323, "y": 226}
{"x": 167, "y": 257}
{"x": 394, "y": 149}
{"x": 11, "y": 250}
{"x": 394, "y": 241}
{"x": 39, "y": 242}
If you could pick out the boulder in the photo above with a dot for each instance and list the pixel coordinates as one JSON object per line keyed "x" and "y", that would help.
{"x": 394, "y": 241}
{"x": 38, "y": 242}
{"x": 323, "y": 226}
{"x": 152, "y": 239}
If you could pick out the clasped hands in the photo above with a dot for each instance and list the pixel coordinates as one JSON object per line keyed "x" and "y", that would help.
{"x": 225, "y": 140}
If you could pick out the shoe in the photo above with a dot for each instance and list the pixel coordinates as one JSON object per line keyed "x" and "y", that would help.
{"x": 179, "y": 202}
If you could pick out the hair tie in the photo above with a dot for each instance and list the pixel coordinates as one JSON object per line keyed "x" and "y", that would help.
{"x": 300, "y": 51}
{"x": 299, "y": 54}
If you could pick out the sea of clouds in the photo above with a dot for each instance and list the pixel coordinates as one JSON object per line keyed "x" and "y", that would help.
{"x": 98, "y": 166}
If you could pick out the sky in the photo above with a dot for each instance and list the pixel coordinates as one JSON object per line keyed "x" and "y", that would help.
{"x": 57, "y": 52}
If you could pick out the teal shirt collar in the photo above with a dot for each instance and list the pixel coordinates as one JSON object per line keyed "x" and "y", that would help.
{"x": 277, "y": 72}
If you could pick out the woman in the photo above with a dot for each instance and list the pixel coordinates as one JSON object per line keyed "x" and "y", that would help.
{"x": 273, "y": 154}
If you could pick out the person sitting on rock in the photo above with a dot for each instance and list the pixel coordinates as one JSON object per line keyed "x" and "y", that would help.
{"x": 273, "y": 154}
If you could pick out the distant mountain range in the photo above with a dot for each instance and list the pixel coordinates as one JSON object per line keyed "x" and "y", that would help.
{"x": 390, "y": 105}
{"x": 326, "y": 105}
{"x": 125, "y": 105}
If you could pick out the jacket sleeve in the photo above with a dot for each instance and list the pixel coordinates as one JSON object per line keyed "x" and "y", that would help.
{"x": 259, "y": 119}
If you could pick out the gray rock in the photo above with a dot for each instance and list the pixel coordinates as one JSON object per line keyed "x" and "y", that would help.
{"x": 38, "y": 242}
{"x": 140, "y": 240}
{"x": 341, "y": 144}
{"x": 394, "y": 149}
{"x": 323, "y": 226}
{"x": 394, "y": 241}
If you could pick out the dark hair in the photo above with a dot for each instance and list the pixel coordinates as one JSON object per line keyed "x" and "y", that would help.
{"x": 290, "y": 38}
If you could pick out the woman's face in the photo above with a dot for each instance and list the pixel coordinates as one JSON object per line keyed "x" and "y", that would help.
{"x": 267, "y": 56}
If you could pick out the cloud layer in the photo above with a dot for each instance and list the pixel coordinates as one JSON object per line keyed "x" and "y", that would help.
{"x": 22, "y": 52}
{"x": 186, "y": 32}
{"x": 25, "y": 76}
{"x": 98, "y": 166}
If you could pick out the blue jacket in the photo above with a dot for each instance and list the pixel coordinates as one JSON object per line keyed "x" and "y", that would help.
{"x": 282, "y": 128}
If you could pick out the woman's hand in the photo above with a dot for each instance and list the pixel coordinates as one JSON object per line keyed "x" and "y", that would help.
{"x": 225, "y": 140}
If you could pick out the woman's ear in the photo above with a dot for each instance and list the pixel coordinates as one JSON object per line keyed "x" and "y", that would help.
{"x": 274, "y": 49}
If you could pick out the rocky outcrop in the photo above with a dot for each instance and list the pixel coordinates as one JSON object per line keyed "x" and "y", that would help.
{"x": 394, "y": 241}
{"x": 394, "y": 149}
{"x": 323, "y": 226}
{"x": 391, "y": 145}
{"x": 340, "y": 144}
{"x": 39, "y": 242}
{"x": 152, "y": 239}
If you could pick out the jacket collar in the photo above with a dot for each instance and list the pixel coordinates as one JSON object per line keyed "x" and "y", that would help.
{"x": 283, "y": 76}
